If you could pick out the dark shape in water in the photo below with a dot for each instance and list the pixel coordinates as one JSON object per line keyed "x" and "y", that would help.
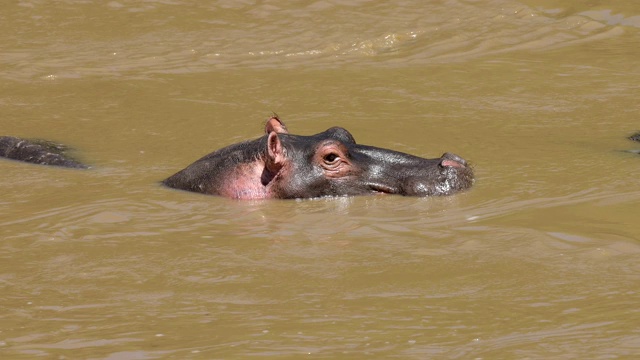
{"x": 331, "y": 163}
{"x": 37, "y": 152}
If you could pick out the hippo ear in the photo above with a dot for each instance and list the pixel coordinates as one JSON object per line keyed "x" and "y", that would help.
{"x": 274, "y": 124}
{"x": 275, "y": 151}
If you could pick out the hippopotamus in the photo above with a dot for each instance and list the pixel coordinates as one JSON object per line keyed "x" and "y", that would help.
{"x": 37, "y": 152}
{"x": 331, "y": 163}
{"x": 286, "y": 166}
{"x": 635, "y": 137}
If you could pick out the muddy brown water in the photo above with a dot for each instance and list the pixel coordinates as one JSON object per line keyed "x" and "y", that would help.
{"x": 539, "y": 260}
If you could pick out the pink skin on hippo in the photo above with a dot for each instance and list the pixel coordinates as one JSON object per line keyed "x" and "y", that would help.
{"x": 282, "y": 165}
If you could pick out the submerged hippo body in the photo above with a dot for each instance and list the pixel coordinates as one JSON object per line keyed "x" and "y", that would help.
{"x": 37, "y": 152}
{"x": 286, "y": 166}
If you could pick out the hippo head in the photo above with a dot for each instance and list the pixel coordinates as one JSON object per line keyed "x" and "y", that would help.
{"x": 331, "y": 163}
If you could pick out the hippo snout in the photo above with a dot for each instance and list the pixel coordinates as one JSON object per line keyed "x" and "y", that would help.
{"x": 441, "y": 176}
{"x": 452, "y": 160}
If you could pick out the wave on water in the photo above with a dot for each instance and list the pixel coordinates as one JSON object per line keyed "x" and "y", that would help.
{"x": 194, "y": 37}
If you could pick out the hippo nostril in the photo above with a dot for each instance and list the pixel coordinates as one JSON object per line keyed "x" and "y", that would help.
{"x": 452, "y": 160}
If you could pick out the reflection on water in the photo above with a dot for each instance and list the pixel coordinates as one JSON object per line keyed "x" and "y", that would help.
{"x": 538, "y": 260}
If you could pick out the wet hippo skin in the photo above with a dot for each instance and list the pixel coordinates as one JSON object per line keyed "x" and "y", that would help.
{"x": 37, "y": 152}
{"x": 331, "y": 163}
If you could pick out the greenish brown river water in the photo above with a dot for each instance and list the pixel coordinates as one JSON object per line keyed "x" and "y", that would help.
{"x": 539, "y": 260}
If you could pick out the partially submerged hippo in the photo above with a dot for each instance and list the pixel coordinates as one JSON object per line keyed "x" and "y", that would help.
{"x": 635, "y": 137}
{"x": 37, "y": 152}
{"x": 286, "y": 166}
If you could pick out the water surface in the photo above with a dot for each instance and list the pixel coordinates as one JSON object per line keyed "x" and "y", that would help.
{"x": 538, "y": 260}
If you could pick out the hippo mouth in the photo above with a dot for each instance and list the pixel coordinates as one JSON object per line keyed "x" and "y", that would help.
{"x": 383, "y": 189}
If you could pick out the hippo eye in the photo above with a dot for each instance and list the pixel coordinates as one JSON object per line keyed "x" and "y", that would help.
{"x": 331, "y": 158}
